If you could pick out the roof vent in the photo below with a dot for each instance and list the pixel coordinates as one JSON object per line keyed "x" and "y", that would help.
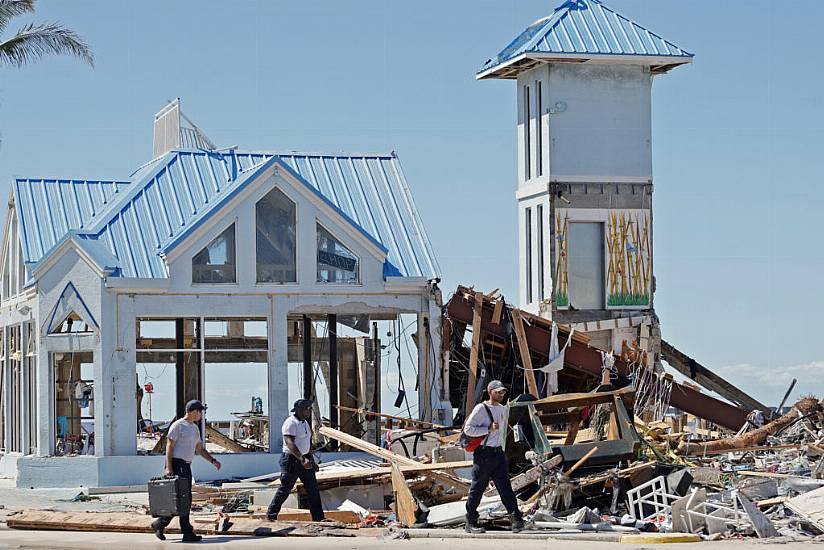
{"x": 174, "y": 130}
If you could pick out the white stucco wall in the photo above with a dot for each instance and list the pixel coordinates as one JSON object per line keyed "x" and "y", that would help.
{"x": 602, "y": 127}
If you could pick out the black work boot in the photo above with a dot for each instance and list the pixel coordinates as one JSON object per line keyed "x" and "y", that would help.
{"x": 158, "y": 530}
{"x": 517, "y": 524}
{"x": 473, "y": 527}
{"x": 191, "y": 537}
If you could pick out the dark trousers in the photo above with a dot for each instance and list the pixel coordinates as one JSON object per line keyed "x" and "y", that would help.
{"x": 490, "y": 464}
{"x": 290, "y": 471}
{"x": 183, "y": 469}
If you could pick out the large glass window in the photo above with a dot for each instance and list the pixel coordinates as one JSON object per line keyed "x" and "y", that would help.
{"x": 336, "y": 263}
{"x": 276, "y": 238}
{"x": 216, "y": 262}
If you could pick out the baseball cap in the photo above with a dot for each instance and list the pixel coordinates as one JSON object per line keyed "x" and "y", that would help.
{"x": 195, "y": 405}
{"x": 302, "y": 404}
{"x": 495, "y": 385}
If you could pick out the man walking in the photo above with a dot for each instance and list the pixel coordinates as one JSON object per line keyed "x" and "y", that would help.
{"x": 489, "y": 459}
{"x": 182, "y": 442}
{"x": 296, "y": 462}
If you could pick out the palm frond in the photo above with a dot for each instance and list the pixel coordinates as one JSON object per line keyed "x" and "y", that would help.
{"x": 12, "y": 8}
{"x": 35, "y": 41}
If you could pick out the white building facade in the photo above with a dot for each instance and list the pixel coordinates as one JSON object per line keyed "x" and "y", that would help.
{"x": 204, "y": 270}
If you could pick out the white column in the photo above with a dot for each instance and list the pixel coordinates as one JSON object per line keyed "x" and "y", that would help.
{"x": 278, "y": 370}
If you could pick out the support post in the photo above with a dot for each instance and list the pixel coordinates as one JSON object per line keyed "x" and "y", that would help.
{"x": 180, "y": 379}
{"x": 332, "y": 327}
{"x": 376, "y": 398}
{"x": 308, "y": 378}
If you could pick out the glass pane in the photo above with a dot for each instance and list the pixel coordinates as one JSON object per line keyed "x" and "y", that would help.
{"x": 336, "y": 263}
{"x": 216, "y": 262}
{"x": 161, "y": 334}
{"x": 235, "y": 333}
{"x": 275, "y": 219}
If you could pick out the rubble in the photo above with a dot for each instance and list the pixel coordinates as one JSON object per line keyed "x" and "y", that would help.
{"x": 596, "y": 443}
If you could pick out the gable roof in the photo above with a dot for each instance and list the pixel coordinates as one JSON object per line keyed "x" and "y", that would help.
{"x": 581, "y": 29}
{"x": 177, "y": 192}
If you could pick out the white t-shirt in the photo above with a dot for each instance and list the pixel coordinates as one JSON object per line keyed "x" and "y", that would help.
{"x": 186, "y": 436}
{"x": 478, "y": 423}
{"x": 300, "y": 430}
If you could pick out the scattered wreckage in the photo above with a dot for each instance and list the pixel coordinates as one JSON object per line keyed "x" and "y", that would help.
{"x": 597, "y": 444}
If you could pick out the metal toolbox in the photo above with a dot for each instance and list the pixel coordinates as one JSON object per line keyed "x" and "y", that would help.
{"x": 169, "y": 496}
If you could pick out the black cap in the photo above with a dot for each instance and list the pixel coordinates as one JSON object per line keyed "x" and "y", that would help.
{"x": 195, "y": 405}
{"x": 302, "y": 404}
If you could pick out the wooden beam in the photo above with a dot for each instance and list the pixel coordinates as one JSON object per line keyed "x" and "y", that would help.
{"x": 389, "y": 456}
{"x": 498, "y": 312}
{"x": 227, "y": 443}
{"x": 523, "y": 348}
{"x": 473, "y": 353}
{"x": 564, "y": 400}
{"x": 405, "y": 506}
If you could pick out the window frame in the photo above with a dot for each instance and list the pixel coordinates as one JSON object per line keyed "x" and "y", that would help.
{"x": 298, "y": 258}
{"x": 234, "y": 223}
{"x": 358, "y": 282}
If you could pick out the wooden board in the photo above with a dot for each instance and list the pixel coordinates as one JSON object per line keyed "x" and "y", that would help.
{"x": 115, "y": 522}
{"x": 389, "y": 456}
{"x": 227, "y": 443}
{"x": 809, "y": 505}
{"x": 474, "y": 352}
{"x": 523, "y": 348}
{"x": 295, "y": 514}
{"x": 564, "y": 400}
{"x": 405, "y": 506}
{"x": 366, "y": 473}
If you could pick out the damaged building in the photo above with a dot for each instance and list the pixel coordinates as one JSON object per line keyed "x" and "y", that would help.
{"x": 208, "y": 273}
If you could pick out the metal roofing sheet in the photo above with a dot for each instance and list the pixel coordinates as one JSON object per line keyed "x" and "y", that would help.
{"x": 181, "y": 189}
{"x": 587, "y": 27}
{"x": 49, "y": 208}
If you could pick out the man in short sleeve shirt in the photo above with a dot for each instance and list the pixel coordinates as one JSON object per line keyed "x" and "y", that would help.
{"x": 296, "y": 462}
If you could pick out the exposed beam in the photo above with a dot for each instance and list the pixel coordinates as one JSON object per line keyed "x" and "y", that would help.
{"x": 693, "y": 370}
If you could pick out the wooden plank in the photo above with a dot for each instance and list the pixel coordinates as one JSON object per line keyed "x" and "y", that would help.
{"x": 400, "y": 419}
{"x": 498, "y": 312}
{"x": 573, "y": 431}
{"x": 296, "y": 514}
{"x": 565, "y": 400}
{"x": 523, "y": 348}
{"x": 474, "y": 353}
{"x": 405, "y": 506}
{"x": 365, "y": 473}
{"x": 227, "y": 443}
{"x": 389, "y": 456}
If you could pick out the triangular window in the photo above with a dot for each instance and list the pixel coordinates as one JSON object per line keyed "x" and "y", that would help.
{"x": 336, "y": 263}
{"x": 216, "y": 262}
{"x": 72, "y": 324}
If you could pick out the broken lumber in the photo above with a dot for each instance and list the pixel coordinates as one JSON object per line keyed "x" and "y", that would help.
{"x": 523, "y": 349}
{"x": 389, "y": 456}
{"x": 226, "y": 442}
{"x": 405, "y": 506}
{"x": 474, "y": 352}
{"x": 803, "y": 407}
{"x": 705, "y": 377}
{"x": 114, "y": 522}
{"x": 366, "y": 473}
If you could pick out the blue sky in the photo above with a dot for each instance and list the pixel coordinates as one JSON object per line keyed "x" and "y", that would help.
{"x": 736, "y": 136}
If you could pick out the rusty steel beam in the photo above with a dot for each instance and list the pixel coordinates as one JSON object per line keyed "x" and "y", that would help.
{"x": 579, "y": 356}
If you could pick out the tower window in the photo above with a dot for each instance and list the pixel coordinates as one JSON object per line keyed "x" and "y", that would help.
{"x": 527, "y": 136}
{"x": 540, "y": 215}
{"x": 276, "y": 238}
{"x": 528, "y": 243}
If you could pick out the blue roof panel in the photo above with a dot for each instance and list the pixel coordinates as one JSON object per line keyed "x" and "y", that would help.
{"x": 137, "y": 222}
{"x": 585, "y": 28}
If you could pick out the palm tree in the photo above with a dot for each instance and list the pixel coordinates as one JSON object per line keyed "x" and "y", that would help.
{"x": 35, "y": 41}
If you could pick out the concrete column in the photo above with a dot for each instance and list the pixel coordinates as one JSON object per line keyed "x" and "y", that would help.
{"x": 115, "y": 360}
{"x": 45, "y": 400}
{"x": 6, "y": 374}
{"x": 278, "y": 370}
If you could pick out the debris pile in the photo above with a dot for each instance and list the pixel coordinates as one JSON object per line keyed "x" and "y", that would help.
{"x": 598, "y": 444}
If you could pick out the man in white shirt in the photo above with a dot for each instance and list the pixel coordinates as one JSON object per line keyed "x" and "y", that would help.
{"x": 489, "y": 460}
{"x": 182, "y": 442}
{"x": 296, "y": 462}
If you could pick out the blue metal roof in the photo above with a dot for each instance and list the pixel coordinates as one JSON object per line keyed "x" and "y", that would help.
{"x": 139, "y": 222}
{"x": 582, "y": 28}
